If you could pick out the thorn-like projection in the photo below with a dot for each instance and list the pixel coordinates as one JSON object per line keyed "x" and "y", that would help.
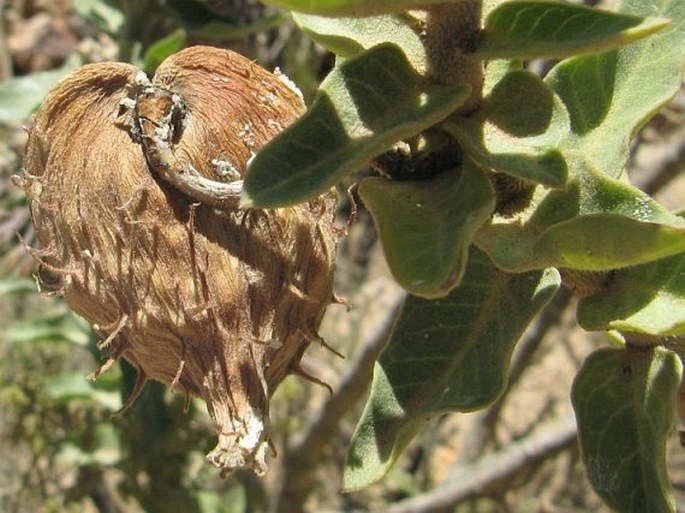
{"x": 102, "y": 369}
{"x": 338, "y": 300}
{"x": 181, "y": 366}
{"x": 141, "y": 381}
{"x": 316, "y": 338}
{"x": 298, "y": 371}
{"x": 113, "y": 330}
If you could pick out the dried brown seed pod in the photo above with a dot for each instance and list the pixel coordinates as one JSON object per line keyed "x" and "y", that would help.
{"x": 132, "y": 189}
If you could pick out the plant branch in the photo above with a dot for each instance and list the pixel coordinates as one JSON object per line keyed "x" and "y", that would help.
{"x": 303, "y": 456}
{"x": 496, "y": 468}
{"x": 659, "y": 162}
{"x": 451, "y": 34}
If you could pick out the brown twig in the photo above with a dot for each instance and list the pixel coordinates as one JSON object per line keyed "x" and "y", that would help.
{"x": 658, "y": 163}
{"x": 496, "y": 468}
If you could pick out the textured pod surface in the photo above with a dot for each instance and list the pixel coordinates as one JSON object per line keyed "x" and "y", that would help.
{"x": 219, "y": 302}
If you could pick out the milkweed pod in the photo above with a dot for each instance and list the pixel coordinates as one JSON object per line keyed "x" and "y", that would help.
{"x": 195, "y": 292}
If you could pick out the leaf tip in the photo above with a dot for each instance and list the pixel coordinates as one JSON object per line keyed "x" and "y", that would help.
{"x": 356, "y": 478}
{"x": 246, "y": 201}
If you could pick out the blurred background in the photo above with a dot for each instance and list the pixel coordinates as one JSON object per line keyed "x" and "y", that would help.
{"x": 61, "y": 450}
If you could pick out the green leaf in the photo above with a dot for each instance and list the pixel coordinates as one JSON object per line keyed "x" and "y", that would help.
{"x": 426, "y": 227}
{"x": 530, "y": 29}
{"x": 610, "y": 96}
{"x": 517, "y": 131}
{"x": 99, "y": 12}
{"x": 20, "y": 96}
{"x": 61, "y": 326}
{"x": 234, "y": 500}
{"x": 599, "y": 223}
{"x": 596, "y": 223}
{"x": 162, "y": 49}
{"x": 107, "y": 443}
{"x": 521, "y": 105}
{"x": 496, "y": 70}
{"x": 16, "y": 285}
{"x": 449, "y": 354}
{"x": 353, "y": 7}
{"x": 74, "y": 385}
{"x": 363, "y": 107}
{"x": 104, "y": 448}
{"x": 624, "y": 400}
{"x": 673, "y": 11}
{"x": 346, "y": 37}
{"x": 647, "y": 298}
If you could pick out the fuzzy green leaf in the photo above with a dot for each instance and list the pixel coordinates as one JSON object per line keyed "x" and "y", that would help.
{"x": 647, "y": 298}
{"x": 363, "y": 107}
{"x": 353, "y": 7}
{"x": 449, "y": 354}
{"x": 521, "y": 105}
{"x": 518, "y": 130}
{"x": 426, "y": 227}
{"x": 596, "y": 223}
{"x": 346, "y": 37}
{"x": 530, "y": 29}
{"x": 624, "y": 400}
{"x": 610, "y": 96}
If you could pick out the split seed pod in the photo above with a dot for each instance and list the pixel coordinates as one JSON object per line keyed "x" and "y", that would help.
{"x": 132, "y": 186}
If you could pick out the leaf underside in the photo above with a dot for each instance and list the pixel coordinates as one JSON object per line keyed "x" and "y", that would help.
{"x": 648, "y": 299}
{"x": 624, "y": 400}
{"x": 517, "y": 131}
{"x": 450, "y": 354}
{"x": 596, "y": 223}
{"x": 609, "y": 96}
{"x": 426, "y": 226}
{"x": 347, "y": 37}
